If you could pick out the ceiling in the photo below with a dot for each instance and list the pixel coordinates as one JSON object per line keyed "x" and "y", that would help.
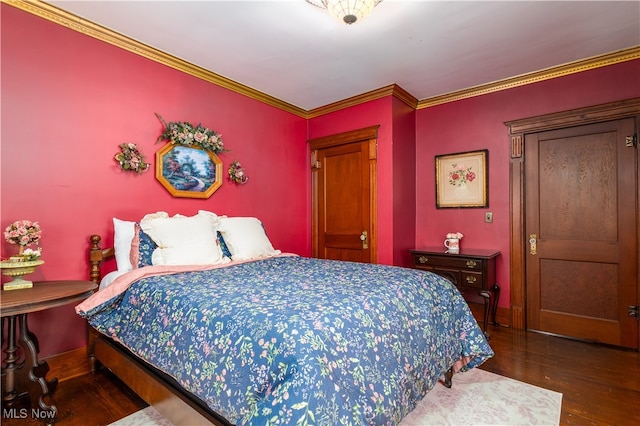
{"x": 298, "y": 53}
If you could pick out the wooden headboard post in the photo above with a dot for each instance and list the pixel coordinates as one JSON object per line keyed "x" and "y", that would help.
{"x": 96, "y": 256}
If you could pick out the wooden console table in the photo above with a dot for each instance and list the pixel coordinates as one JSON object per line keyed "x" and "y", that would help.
{"x": 473, "y": 272}
{"x": 15, "y": 305}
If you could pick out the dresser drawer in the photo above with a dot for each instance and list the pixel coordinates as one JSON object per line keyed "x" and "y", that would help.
{"x": 462, "y": 263}
{"x": 471, "y": 279}
{"x": 452, "y": 275}
{"x": 461, "y": 279}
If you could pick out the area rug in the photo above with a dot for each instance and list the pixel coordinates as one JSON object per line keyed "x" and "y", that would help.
{"x": 479, "y": 397}
{"x": 476, "y": 398}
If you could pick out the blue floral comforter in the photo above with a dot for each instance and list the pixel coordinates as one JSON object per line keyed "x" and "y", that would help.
{"x": 294, "y": 340}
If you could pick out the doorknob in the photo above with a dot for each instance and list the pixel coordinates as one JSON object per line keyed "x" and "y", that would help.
{"x": 365, "y": 240}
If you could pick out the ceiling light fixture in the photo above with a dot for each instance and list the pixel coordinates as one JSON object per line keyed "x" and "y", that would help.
{"x": 347, "y": 11}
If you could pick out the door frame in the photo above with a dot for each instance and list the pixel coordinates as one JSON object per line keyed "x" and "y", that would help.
{"x": 517, "y": 130}
{"x": 354, "y": 136}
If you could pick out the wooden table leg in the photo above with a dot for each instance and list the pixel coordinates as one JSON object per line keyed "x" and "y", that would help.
{"x": 11, "y": 399}
{"x": 38, "y": 370}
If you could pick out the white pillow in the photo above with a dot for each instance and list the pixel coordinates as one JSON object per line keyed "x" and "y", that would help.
{"x": 183, "y": 240}
{"x": 109, "y": 278}
{"x": 123, "y": 233}
{"x": 245, "y": 238}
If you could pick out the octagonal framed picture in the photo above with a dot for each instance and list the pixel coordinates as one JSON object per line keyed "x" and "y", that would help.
{"x": 188, "y": 172}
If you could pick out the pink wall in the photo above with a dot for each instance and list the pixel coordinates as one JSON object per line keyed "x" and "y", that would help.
{"x": 478, "y": 123}
{"x": 404, "y": 181}
{"x": 69, "y": 100}
{"x": 377, "y": 112}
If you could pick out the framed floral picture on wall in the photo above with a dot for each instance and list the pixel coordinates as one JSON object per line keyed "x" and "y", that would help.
{"x": 189, "y": 172}
{"x": 462, "y": 179}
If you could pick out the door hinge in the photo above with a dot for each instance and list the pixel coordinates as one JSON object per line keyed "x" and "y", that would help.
{"x": 632, "y": 311}
{"x": 315, "y": 165}
{"x": 631, "y": 141}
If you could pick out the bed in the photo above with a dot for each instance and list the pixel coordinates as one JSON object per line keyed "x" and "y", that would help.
{"x": 275, "y": 338}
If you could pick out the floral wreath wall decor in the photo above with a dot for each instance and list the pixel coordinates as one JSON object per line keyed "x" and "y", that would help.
{"x": 462, "y": 179}
{"x": 186, "y": 134}
{"x": 237, "y": 174}
{"x": 189, "y": 166}
{"x": 131, "y": 159}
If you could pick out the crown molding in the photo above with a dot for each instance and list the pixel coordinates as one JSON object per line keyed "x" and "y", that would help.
{"x": 535, "y": 77}
{"x": 73, "y": 22}
{"x": 383, "y": 92}
{"x": 611, "y": 58}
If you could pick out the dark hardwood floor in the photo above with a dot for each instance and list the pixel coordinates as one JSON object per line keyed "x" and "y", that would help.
{"x": 600, "y": 384}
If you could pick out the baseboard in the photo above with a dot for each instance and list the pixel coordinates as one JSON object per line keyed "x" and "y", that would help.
{"x": 503, "y": 315}
{"x": 68, "y": 365}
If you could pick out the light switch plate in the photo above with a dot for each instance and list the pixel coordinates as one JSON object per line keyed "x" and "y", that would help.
{"x": 488, "y": 217}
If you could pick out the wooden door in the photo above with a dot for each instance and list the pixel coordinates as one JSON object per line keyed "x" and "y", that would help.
{"x": 344, "y": 171}
{"x": 581, "y": 230}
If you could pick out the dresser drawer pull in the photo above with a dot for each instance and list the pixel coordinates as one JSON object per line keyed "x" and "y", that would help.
{"x": 471, "y": 280}
{"x": 471, "y": 264}
{"x": 423, "y": 259}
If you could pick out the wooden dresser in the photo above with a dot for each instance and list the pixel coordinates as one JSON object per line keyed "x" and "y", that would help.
{"x": 472, "y": 271}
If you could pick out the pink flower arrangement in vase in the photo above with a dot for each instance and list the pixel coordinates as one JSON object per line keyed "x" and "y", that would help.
{"x": 24, "y": 233}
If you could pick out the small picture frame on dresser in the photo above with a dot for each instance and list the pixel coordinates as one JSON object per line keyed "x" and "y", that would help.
{"x": 462, "y": 179}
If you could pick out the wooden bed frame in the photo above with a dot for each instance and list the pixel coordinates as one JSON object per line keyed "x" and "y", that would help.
{"x": 155, "y": 387}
